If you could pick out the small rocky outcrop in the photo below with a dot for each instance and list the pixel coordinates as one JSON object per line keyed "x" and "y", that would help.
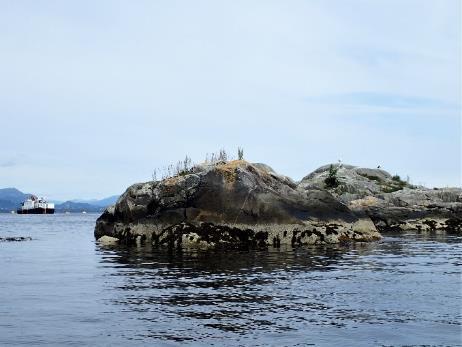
{"x": 391, "y": 203}
{"x": 231, "y": 204}
{"x": 15, "y": 238}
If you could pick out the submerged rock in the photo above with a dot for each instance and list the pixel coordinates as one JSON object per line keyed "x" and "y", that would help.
{"x": 15, "y": 238}
{"x": 231, "y": 204}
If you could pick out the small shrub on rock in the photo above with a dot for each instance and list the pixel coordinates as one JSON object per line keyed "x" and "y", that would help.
{"x": 331, "y": 180}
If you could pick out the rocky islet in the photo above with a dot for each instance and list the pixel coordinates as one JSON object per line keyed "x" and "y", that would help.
{"x": 240, "y": 204}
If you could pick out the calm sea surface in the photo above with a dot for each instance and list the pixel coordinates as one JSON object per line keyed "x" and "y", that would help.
{"x": 62, "y": 289}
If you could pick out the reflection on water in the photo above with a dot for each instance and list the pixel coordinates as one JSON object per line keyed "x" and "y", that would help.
{"x": 299, "y": 295}
{"x": 62, "y": 289}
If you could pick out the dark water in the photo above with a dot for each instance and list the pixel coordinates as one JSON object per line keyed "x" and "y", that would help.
{"x": 62, "y": 289}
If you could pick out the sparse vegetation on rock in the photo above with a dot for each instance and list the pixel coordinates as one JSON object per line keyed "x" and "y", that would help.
{"x": 395, "y": 184}
{"x": 240, "y": 153}
{"x": 186, "y": 166}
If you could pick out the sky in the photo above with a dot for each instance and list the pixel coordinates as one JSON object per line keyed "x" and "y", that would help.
{"x": 94, "y": 95}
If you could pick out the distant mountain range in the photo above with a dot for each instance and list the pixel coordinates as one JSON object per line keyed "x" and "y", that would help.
{"x": 11, "y": 199}
{"x": 102, "y": 203}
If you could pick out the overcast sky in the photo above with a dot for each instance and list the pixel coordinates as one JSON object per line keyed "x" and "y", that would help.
{"x": 96, "y": 94}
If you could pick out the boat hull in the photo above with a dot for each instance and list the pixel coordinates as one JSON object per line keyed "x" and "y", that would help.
{"x": 37, "y": 210}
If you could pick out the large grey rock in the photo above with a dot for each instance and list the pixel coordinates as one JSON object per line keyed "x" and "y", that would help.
{"x": 355, "y": 182}
{"x": 392, "y": 204}
{"x": 231, "y": 205}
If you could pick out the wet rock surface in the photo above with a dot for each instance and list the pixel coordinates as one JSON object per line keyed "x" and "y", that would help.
{"x": 230, "y": 205}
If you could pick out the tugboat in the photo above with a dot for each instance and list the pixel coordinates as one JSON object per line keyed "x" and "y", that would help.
{"x": 35, "y": 205}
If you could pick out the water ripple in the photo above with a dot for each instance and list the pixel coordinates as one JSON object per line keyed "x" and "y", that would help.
{"x": 63, "y": 289}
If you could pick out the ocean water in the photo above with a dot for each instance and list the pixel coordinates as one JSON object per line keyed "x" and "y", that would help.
{"x": 63, "y": 289}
